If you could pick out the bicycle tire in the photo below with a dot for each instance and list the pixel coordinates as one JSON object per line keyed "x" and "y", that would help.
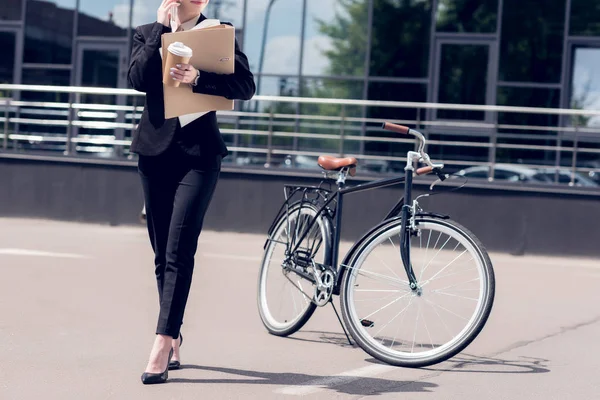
{"x": 286, "y": 328}
{"x": 356, "y": 325}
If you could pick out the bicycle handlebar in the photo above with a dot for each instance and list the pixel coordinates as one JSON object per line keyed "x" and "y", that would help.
{"x": 405, "y": 130}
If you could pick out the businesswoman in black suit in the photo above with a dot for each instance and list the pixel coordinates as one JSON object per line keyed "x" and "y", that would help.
{"x": 179, "y": 168}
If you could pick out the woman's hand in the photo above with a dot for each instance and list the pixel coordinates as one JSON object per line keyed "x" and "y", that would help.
{"x": 163, "y": 15}
{"x": 184, "y": 73}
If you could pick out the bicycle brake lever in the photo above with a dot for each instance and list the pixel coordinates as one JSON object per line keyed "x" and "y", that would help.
{"x": 441, "y": 177}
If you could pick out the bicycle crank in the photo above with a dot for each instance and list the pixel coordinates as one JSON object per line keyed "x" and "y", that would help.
{"x": 324, "y": 288}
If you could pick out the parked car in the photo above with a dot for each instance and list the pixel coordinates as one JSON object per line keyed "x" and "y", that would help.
{"x": 504, "y": 172}
{"x": 564, "y": 177}
{"x": 518, "y": 173}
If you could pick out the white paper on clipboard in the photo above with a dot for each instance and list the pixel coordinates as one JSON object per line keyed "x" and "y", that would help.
{"x": 207, "y": 23}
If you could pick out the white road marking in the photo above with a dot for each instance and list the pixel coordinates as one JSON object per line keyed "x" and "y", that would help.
{"x": 343, "y": 378}
{"x": 36, "y": 253}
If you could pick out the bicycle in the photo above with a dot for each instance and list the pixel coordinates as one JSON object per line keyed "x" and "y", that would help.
{"x": 389, "y": 279}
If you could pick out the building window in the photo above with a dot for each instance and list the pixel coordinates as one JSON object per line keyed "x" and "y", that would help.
{"x": 473, "y": 16}
{"x": 106, "y": 18}
{"x": 49, "y": 32}
{"x": 10, "y": 10}
{"x": 338, "y": 34}
{"x": 281, "y": 49}
{"x": 401, "y": 34}
{"x": 7, "y": 63}
{"x": 585, "y": 18}
{"x": 532, "y": 41}
{"x": 585, "y": 84}
{"x": 463, "y": 78}
{"x": 528, "y": 97}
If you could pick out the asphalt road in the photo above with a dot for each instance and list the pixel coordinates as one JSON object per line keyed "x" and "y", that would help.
{"x": 78, "y": 308}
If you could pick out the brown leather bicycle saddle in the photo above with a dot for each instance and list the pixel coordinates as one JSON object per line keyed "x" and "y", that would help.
{"x": 331, "y": 163}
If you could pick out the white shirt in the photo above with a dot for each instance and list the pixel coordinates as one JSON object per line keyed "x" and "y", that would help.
{"x": 186, "y": 26}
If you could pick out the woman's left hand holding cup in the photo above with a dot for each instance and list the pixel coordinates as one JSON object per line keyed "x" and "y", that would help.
{"x": 184, "y": 73}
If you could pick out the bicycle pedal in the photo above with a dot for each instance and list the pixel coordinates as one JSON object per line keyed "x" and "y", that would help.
{"x": 366, "y": 323}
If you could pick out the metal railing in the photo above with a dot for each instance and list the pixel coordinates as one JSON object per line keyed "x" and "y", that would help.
{"x": 98, "y": 123}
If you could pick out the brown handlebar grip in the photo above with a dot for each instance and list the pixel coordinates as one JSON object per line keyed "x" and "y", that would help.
{"x": 396, "y": 128}
{"x": 424, "y": 170}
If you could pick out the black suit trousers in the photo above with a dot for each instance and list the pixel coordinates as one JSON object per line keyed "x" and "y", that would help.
{"x": 178, "y": 189}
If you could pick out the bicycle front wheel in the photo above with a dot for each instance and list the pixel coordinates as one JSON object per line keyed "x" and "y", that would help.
{"x": 285, "y": 298}
{"x": 409, "y": 328}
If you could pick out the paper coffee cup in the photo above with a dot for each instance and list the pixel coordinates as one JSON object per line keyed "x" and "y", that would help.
{"x": 177, "y": 53}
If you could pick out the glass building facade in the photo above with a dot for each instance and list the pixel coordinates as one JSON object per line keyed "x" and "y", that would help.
{"x": 511, "y": 52}
{"x": 537, "y": 53}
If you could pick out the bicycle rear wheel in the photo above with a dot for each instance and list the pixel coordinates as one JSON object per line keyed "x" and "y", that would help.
{"x": 418, "y": 328}
{"x": 284, "y": 298}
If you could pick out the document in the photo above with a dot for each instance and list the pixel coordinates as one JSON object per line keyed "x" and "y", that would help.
{"x": 213, "y": 46}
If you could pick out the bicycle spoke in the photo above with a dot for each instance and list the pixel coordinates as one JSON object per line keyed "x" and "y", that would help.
{"x": 401, "y": 324}
{"x": 396, "y": 316}
{"x": 441, "y": 319}
{"x": 438, "y": 252}
{"x": 375, "y": 298}
{"x": 440, "y": 271}
{"x": 415, "y": 334}
{"x": 453, "y": 273}
{"x": 387, "y": 266}
{"x": 427, "y": 251}
{"x": 388, "y": 279}
{"x": 458, "y": 284}
{"x": 428, "y": 333}
{"x": 302, "y": 291}
{"x": 445, "y": 309}
{"x": 455, "y": 295}
{"x": 386, "y": 306}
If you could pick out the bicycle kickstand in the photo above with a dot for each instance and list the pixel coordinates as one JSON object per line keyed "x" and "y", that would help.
{"x": 340, "y": 321}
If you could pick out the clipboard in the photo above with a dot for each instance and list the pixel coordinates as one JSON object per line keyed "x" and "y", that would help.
{"x": 213, "y": 51}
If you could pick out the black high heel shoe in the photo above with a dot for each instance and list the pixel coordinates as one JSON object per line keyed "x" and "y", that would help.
{"x": 176, "y": 364}
{"x": 149, "y": 378}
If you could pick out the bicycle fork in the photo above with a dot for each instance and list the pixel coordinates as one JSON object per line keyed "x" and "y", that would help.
{"x": 406, "y": 231}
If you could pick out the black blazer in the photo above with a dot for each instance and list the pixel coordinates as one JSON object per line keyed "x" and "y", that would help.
{"x": 154, "y": 134}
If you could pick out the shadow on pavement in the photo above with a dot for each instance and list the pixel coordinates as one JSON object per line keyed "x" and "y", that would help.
{"x": 335, "y": 338}
{"x": 341, "y": 384}
{"x": 489, "y": 365}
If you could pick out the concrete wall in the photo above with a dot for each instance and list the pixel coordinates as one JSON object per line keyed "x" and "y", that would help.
{"x": 505, "y": 219}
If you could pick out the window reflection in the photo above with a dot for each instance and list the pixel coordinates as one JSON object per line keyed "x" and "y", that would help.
{"x": 585, "y": 18}
{"x": 342, "y": 31}
{"x": 317, "y": 43}
{"x": 49, "y": 32}
{"x": 401, "y": 32}
{"x": 231, "y": 11}
{"x": 585, "y": 85}
{"x": 103, "y": 18}
{"x": 7, "y": 63}
{"x": 10, "y": 10}
{"x": 281, "y": 52}
{"x": 463, "y": 79}
{"x": 467, "y": 16}
{"x": 531, "y": 50}
{"x": 528, "y": 97}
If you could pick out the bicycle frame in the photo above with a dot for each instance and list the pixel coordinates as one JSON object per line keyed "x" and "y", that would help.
{"x": 332, "y": 257}
{"x": 403, "y": 208}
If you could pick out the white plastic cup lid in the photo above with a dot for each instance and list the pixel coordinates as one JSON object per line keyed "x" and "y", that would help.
{"x": 180, "y": 49}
